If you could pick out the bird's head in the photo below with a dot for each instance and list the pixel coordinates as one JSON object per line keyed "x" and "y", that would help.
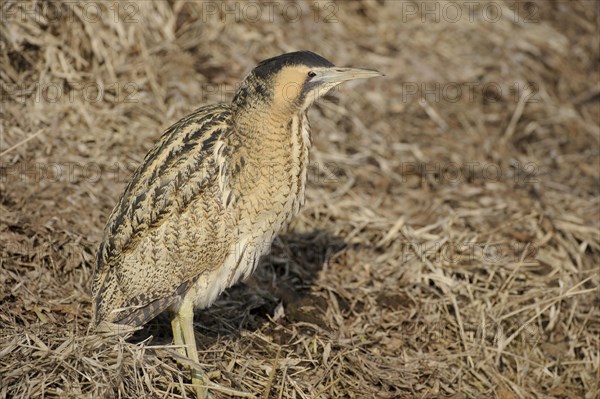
{"x": 288, "y": 84}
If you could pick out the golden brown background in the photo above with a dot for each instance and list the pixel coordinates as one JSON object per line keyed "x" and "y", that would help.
{"x": 450, "y": 242}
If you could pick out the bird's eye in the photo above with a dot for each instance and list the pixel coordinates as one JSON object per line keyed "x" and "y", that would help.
{"x": 312, "y": 74}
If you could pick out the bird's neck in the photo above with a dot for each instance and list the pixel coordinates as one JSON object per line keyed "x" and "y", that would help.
{"x": 273, "y": 140}
{"x": 265, "y": 124}
{"x": 275, "y": 154}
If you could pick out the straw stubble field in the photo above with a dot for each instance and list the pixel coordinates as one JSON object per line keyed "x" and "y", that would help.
{"x": 449, "y": 243}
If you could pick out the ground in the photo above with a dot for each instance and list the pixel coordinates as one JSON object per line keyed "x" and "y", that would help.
{"x": 449, "y": 246}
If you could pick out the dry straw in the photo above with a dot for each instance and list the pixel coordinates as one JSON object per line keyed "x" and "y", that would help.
{"x": 450, "y": 242}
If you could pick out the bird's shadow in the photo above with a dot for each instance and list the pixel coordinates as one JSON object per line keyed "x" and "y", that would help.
{"x": 284, "y": 276}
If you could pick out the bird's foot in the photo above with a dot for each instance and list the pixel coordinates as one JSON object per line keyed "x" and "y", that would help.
{"x": 203, "y": 385}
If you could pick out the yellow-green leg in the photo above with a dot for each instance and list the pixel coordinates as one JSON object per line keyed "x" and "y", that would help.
{"x": 186, "y": 321}
{"x": 183, "y": 334}
{"x": 177, "y": 337}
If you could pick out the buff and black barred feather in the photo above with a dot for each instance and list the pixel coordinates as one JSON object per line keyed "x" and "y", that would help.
{"x": 172, "y": 175}
{"x": 212, "y": 194}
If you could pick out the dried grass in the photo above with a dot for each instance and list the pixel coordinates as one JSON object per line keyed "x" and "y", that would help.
{"x": 415, "y": 270}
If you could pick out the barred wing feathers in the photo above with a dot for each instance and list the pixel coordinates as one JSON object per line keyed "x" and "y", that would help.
{"x": 175, "y": 173}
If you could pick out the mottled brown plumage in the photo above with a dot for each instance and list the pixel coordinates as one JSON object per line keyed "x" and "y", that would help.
{"x": 209, "y": 198}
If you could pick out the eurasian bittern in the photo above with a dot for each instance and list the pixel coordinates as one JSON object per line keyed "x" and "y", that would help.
{"x": 209, "y": 198}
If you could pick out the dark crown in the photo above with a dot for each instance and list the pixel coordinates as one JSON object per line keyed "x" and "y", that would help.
{"x": 273, "y": 65}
